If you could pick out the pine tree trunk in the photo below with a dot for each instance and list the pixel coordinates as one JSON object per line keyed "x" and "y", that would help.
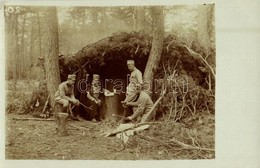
{"x": 23, "y": 57}
{"x": 103, "y": 22}
{"x": 9, "y": 54}
{"x": 31, "y": 51}
{"x": 16, "y": 49}
{"x": 39, "y": 35}
{"x": 157, "y": 46}
{"x": 51, "y": 59}
{"x": 211, "y": 25}
{"x": 202, "y": 29}
{"x": 140, "y": 22}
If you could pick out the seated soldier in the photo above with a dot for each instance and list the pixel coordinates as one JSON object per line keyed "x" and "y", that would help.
{"x": 65, "y": 93}
{"x": 140, "y": 107}
{"x": 94, "y": 100}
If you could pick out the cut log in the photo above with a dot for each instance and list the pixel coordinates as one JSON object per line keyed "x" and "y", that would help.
{"x": 61, "y": 124}
{"x": 125, "y": 127}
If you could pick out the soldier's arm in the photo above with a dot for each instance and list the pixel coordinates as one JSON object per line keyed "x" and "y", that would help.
{"x": 141, "y": 103}
{"x": 72, "y": 93}
{"x": 139, "y": 77}
{"x": 90, "y": 97}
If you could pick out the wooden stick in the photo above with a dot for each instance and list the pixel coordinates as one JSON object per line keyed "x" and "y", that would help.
{"x": 36, "y": 119}
{"x": 46, "y": 103}
{"x": 86, "y": 106}
{"x": 203, "y": 59}
{"x": 186, "y": 146}
{"x": 153, "y": 107}
{"x": 79, "y": 128}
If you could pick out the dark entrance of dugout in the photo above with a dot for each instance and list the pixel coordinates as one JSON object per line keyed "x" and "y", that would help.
{"x": 114, "y": 76}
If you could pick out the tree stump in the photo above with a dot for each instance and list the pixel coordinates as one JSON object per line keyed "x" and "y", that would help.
{"x": 61, "y": 124}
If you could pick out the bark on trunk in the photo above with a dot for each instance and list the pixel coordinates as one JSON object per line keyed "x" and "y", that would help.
{"x": 23, "y": 57}
{"x": 140, "y": 23}
{"x": 202, "y": 29}
{"x": 157, "y": 45}
{"x": 51, "y": 59}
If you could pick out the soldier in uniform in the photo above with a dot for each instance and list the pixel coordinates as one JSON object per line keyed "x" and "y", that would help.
{"x": 140, "y": 107}
{"x": 65, "y": 93}
{"x": 94, "y": 99}
{"x": 135, "y": 82}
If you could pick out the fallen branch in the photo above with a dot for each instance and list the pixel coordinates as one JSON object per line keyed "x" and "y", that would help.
{"x": 186, "y": 146}
{"x": 79, "y": 128}
{"x": 167, "y": 48}
{"x": 36, "y": 119}
{"x": 203, "y": 59}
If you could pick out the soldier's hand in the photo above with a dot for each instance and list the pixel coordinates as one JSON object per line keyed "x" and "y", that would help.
{"x": 129, "y": 118}
{"x": 77, "y": 102}
{"x": 98, "y": 102}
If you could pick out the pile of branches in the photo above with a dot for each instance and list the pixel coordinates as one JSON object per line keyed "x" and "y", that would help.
{"x": 174, "y": 140}
{"x": 185, "y": 99}
{"x": 189, "y": 75}
{"x": 118, "y": 47}
{"x": 39, "y": 105}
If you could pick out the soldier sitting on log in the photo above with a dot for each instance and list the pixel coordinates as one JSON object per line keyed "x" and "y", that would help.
{"x": 141, "y": 107}
{"x": 65, "y": 94}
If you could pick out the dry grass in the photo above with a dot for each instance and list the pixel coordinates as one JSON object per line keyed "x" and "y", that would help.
{"x": 18, "y": 95}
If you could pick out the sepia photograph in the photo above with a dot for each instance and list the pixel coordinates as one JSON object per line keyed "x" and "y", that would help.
{"x": 110, "y": 82}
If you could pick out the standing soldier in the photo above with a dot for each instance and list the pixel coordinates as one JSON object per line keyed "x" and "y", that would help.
{"x": 135, "y": 82}
{"x": 65, "y": 93}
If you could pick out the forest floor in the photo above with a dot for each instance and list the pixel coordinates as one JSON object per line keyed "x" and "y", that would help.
{"x": 31, "y": 139}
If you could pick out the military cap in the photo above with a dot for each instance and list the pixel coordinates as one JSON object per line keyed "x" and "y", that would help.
{"x": 72, "y": 77}
{"x": 130, "y": 62}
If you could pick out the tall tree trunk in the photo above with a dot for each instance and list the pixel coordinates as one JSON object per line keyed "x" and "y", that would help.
{"x": 51, "y": 59}
{"x": 39, "y": 34}
{"x": 95, "y": 24}
{"x": 103, "y": 22}
{"x": 31, "y": 50}
{"x": 9, "y": 38}
{"x": 16, "y": 48}
{"x": 211, "y": 24}
{"x": 202, "y": 28}
{"x": 140, "y": 20}
{"x": 22, "y": 48}
{"x": 157, "y": 46}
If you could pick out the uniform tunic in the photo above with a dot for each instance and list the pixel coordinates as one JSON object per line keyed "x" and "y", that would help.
{"x": 141, "y": 106}
{"x": 134, "y": 82}
{"x": 64, "y": 90}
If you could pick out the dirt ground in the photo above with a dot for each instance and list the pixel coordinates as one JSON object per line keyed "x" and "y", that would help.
{"x": 37, "y": 140}
{"x": 30, "y": 139}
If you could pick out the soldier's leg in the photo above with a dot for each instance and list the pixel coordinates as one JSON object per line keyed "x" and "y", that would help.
{"x": 65, "y": 105}
{"x": 147, "y": 117}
